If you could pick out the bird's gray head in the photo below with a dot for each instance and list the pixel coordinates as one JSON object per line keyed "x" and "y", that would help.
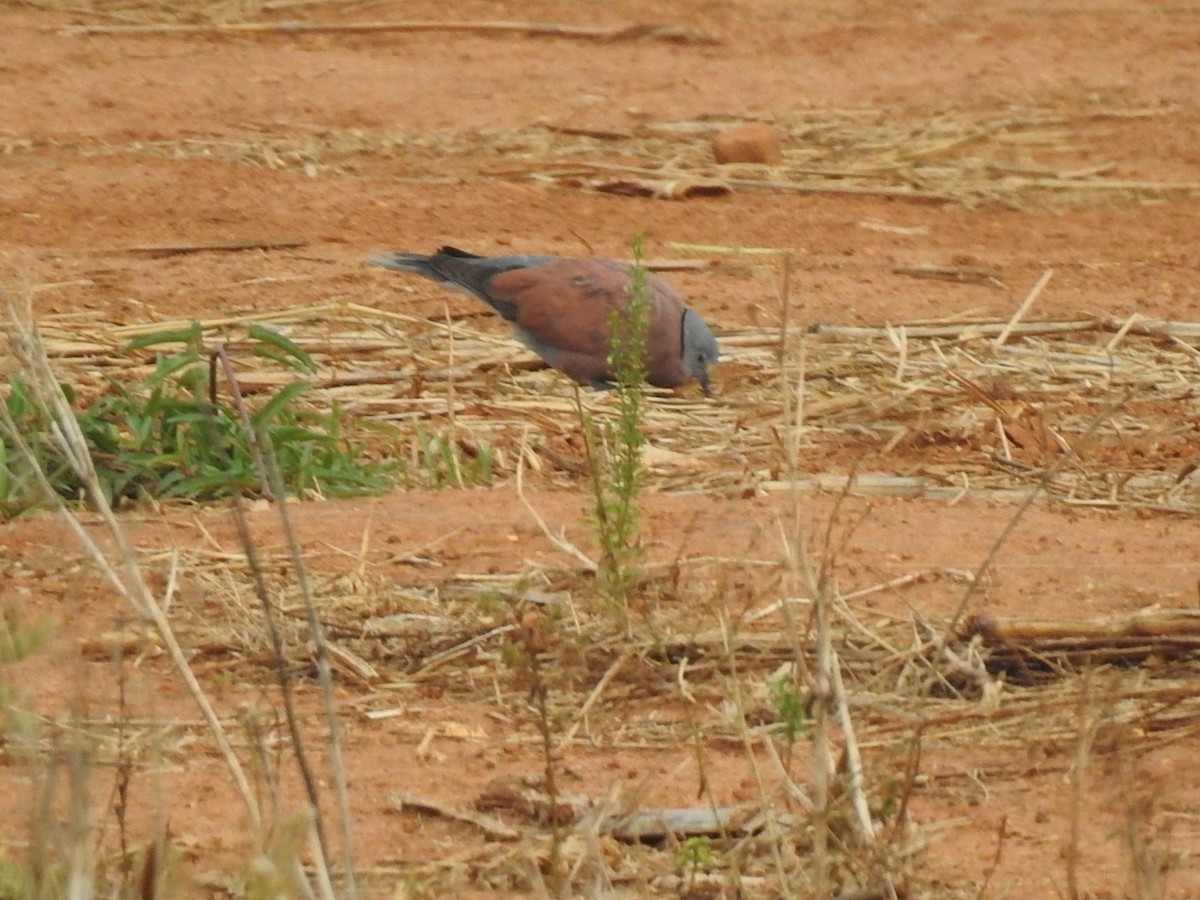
{"x": 700, "y": 348}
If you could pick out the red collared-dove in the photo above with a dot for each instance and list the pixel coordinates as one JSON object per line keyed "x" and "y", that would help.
{"x": 560, "y": 308}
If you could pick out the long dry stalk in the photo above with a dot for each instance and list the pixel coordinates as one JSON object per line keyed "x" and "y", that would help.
{"x": 124, "y": 572}
{"x": 272, "y": 485}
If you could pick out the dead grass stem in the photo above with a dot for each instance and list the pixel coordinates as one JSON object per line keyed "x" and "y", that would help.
{"x": 984, "y": 421}
{"x": 122, "y": 568}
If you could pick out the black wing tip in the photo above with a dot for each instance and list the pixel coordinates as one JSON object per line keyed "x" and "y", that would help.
{"x": 383, "y": 257}
{"x": 456, "y": 253}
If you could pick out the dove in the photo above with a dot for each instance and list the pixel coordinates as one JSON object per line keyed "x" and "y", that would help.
{"x": 559, "y": 308}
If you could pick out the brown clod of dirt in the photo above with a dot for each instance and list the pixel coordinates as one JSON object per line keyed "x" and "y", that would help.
{"x": 750, "y": 142}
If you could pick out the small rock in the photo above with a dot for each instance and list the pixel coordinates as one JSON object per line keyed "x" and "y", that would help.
{"x": 750, "y": 142}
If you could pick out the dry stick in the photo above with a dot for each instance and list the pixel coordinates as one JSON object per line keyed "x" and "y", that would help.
{"x": 281, "y": 675}
{"x": 595, "y": 463}
{"x": 743, "y": 729}
{"x": 821, "y": 737}
{"x": 785, "y": 777}
{"x": 539, "y": 700}
{"x": 899, "y": 339}
{"x": 276, "y": 5}
{"x": 267, "y": 466}
{"x": 960, "y": 331}
{"x": 178, "y": 249}
{"x": 1024, "y": 307}
{"x": 828, "y": 682}
{"x": 797, "y": 556}
{"x": 725, "y": 250}
{"x": 956, "y": 274}
{"x": 1187, "y": 348}
{"x": 1163, "y": 627}
{"x": 315, "y": 310}
{"x": 450, "y": 400}
{"x": 1106, "y": 184}
{"x": 793, "y": 413}
{"x": 320, "y": 863}
{"x": 560, "y": 541}
{"x": 29, "y": 349}
{"x": 672, "y": 33}
{"x": 493, "y": 828}
{"x": 854, "y": 764}
{"x": 1047, "y": 477}
{"x": 785, "y": 287}
{"x": 827, "y": 677}
{"x": 616, "y": 666}
{"x": 1147, "y": 860}
{"x": 1121, "y": 332}
{"x": 912, "y": 767}
{"x": 798, "y": 187}
{"x": 1143, "y": 326}
{"x": 1002, "y": 833}
{"x": 260, "y": 588}
{"x": 1084, "y": 735}
{"x": 819, "y": 589}
{"x": 432, "y": 663}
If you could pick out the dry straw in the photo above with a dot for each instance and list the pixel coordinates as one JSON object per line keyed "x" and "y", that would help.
{"x": 984, "y": 407}
{"x": 973, "y": 413}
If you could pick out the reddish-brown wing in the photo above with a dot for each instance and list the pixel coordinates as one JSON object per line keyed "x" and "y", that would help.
{"x": 566, "y": 304}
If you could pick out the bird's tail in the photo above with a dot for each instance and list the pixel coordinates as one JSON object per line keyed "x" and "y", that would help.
{"x": 422, "y": 264}
{"x": 419, "y": 263}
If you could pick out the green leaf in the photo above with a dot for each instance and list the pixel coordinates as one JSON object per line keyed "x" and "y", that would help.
{"x": 271, "y": 408}
{"x": 298, "y": 358}
{"x": 6, "y": 479}
{"x": 191, "y": 335}
{"x": 20, "y": 404}
{"x": 169, "y": 365}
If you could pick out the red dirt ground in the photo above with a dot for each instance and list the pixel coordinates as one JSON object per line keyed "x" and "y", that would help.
{"x": 358, "y": 142}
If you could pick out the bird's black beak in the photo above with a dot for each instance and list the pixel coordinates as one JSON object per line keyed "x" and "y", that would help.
{"x": 704, "y": 384}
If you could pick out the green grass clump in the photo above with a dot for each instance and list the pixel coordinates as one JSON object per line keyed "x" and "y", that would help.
{"x": 439, "y": 461}
{"x": 172, "y": 437}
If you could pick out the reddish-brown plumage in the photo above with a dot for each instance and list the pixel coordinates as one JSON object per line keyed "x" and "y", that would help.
{"x": 561, "y": 309}
{"x": 566, "y": 303}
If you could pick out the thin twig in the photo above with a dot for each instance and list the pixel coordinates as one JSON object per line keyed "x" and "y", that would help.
{"x": 558, "y": 540}
{"x": 1121, "y": 332}
{"x": 592, "y": 697}
{"x": 181, "y": 248}
{"x": 132, "y": 585}
{"x": 282, "y": 676}
{"x": 855, "y": 780}
{"x": 1047, "y": 477}
{"x": 1001, "y": 834}
{"x": 797, "y": 187}
{"x": 272, "y": 483}
{"x": 1033, "y": 294}
{"x": 493, "y": 828}
{"x": 773, "y": 828}
{"x": 677, "y": 34}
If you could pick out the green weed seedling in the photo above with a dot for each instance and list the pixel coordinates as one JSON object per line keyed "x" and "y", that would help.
{"x": 789, "y": 708}
{"x": 693, "y": 856}
{"x": 615, "y": 448}
{"x": 439, "y": 461}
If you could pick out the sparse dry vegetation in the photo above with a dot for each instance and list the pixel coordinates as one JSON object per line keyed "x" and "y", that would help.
{"x": 834, "y": 705}
{"x": 427, "y": 695}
